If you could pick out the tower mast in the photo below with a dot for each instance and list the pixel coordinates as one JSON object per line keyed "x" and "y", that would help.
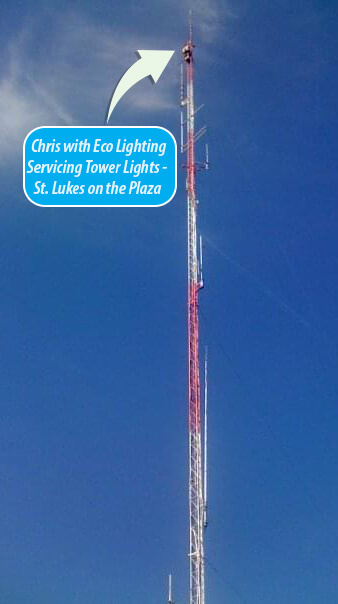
{"x": 195, "y": 283}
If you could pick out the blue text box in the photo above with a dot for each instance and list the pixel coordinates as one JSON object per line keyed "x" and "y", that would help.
{"x": 100, "y": 166}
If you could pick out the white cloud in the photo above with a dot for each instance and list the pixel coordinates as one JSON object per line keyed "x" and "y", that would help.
{"x": 74, "y": 77}
{"x": 206, "y": 18}
{"x": 108, "y": 53}
{"x": 24, "y": 103}
{"x": 67, "y": 76}
{"x": 209, "y": 16}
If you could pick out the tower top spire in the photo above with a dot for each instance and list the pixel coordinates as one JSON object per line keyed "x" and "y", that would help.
{"x": 190, "y": 25}
{"x": 187, "y": 49}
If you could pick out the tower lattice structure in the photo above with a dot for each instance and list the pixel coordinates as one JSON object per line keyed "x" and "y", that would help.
{"x": 197, "y": 494}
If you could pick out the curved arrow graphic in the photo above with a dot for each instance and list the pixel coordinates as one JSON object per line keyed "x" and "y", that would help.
{"x": 151, "y": 63}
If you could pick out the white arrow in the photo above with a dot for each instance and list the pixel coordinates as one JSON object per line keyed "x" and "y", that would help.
{"x": 151, "y": 63}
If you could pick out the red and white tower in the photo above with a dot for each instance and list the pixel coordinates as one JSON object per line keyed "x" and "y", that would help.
{"x": 197, "y": 491}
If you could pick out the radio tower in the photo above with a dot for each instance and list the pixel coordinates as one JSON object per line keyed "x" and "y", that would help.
{"x": 197, "y": 489}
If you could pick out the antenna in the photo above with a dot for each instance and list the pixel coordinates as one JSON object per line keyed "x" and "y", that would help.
{"x": 190, "y": 25}
{"x": 170, "y": 600}
{"x": 182, "y": 87}
{"x": 205, "y": 481}
{"x": 182, "y": 105}
{"x": 201, "y": 263}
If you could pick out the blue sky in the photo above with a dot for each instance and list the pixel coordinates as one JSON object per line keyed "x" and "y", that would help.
{"x": 93, "y": 377}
